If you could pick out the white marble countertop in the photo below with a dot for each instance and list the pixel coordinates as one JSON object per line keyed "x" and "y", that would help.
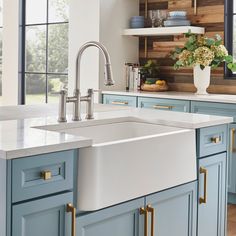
{"x": 19, "y": 137}
{"x": 220, "y": 98}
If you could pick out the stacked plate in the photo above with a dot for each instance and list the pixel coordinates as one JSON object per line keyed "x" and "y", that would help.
{"x": 177, "y": 18}
{"x": 137, "y": 22}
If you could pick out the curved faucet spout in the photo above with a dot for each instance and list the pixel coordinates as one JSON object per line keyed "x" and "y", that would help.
{"x": 108, "y": 76}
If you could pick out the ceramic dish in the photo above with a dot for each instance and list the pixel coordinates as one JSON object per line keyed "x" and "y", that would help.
{"x": 177, "y": 13}
{"x": 169, "y": 23}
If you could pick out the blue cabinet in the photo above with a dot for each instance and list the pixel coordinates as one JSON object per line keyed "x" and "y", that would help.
{"x": 129, "y": 101}
{"x": 175, "y": 211}
{"x": 212, "y": 140}
{"x": 120, "y": 220}
{"x": 164, "y": 104}
{"x": 212, "y": 195}
{"x": 232, "y": 163}
{"x": 212, "y": 108}
{"x": 45, "y": 216}
{"x": 41, "y": 175}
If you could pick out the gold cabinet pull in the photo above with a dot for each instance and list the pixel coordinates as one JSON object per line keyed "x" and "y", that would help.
{"x": 233, "y": 148}
{"x": 143, "y": 211}
{"x": 204, "y": 199}
{"x": 72, "y": 210}
{"x": 163, "y": 107}
{"x": 195, "y": 7}
{"x": 151, "y": 210}
{"x": 119, "y": 103}
{"x": 215, "y": 139}
{"x": 46, "y": 175}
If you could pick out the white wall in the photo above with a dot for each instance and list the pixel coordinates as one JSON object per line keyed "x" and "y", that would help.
{"x": 115, "y": 16}
{"x": 103, "y": 21}
{"x": 10, "y": 52}
{"x": 83, "y": 27}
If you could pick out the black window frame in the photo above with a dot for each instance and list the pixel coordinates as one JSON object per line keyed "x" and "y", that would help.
{"x": 22, "y": 52}
{"x": 229, "y": 16}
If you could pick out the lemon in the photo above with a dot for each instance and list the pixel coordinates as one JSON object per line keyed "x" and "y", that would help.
{"x": 160, "y": 82}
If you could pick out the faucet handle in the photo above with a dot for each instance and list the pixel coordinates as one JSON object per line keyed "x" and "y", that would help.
{"x": 62, "y": 106}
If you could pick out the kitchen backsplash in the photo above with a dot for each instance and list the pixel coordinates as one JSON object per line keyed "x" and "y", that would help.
{"x": 211, "y": 16}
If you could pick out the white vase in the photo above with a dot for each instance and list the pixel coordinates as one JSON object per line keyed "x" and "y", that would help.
{"x": 201, "y": 79}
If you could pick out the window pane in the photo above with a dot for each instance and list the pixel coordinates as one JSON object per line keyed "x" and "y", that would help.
{"x": 55, "y": 84}
{"x": 58, "y": 11}
{"x": 58, "y": 48}
{"x": 36, "y": 11}
{"x": 35, "y": 48}
{"x": 234, "y": 5}
{"x": 35, "y": 88}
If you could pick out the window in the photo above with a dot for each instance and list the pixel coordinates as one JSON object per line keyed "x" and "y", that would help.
{"x": 44, "y": 56}
{"x": 230, "y": 32}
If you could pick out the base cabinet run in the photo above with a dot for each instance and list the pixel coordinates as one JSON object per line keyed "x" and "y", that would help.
{"x": 171, "y": 212}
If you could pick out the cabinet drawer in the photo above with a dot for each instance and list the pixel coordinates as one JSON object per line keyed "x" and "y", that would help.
{"x": 120, "y": 100}
{"x": 41, "y": 175}
{"x": 164, "y": 104}
{"x": 211, "y": 108}
{"x": 212, "y": 140}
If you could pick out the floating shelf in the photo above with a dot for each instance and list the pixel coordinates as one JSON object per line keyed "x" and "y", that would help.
{"x": 164, "y": 31}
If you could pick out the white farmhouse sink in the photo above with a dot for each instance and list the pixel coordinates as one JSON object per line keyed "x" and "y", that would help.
{"x": 130, "y": 160}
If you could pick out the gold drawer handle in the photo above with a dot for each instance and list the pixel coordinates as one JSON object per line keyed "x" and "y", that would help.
{"x": 143, "y": 211}
{"x": 204, "y": 199}
{"x": 71, "y": 209}
{"x": 119, "y": 103}
{"x": 215, "y": 139}
{"x": 163, "y": 107}
{"x": 152, "y": 211}
{"x": 233, "y": 148}
{"x": 46, "y": 175}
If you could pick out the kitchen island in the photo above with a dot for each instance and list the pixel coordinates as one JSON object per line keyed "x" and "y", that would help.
{"x": 45, "y": 175}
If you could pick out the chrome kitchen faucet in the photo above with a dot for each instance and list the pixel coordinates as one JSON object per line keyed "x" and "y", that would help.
{"x": 89, "y": 98}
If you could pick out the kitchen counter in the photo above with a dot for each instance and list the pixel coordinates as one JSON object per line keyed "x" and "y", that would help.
{"x": 20, "y": 138}
{"x": 220, "y": 98}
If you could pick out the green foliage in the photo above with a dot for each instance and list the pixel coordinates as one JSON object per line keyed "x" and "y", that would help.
{"x": 150, "y": 69}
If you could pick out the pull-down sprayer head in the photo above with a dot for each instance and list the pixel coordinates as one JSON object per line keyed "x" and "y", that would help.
{"x": 108, "y": 76}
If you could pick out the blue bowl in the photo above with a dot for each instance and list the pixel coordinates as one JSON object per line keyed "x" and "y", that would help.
{"x": 137, "y": 24}
{"x": 137, "y": 18}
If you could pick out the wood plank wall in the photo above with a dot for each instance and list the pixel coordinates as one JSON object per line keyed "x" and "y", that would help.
{"x": 211, "y": 16}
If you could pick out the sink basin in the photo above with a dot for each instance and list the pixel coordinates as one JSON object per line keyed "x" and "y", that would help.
{"x": 105, "y": 134}
{"x": 131, "y": 159}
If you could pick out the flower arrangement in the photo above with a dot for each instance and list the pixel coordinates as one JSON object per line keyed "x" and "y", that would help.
{"x": 203, "y": 51}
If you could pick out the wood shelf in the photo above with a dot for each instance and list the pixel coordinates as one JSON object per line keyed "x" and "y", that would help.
{"x": 163, "y": 31}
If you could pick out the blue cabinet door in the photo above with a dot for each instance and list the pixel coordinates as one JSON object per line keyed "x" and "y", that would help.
{"x": 120, "y": 220}
{"x": 211, "y": 108}
{"x": 232, "y": 161}
{"x": 46, "y": 217}
{"x": 175, "y": 211}
{"x": 212, "y": 196}
{"x": 164, "y": 104}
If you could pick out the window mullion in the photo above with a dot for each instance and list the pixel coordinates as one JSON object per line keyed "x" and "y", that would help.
{"x": 47, "y": 40}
